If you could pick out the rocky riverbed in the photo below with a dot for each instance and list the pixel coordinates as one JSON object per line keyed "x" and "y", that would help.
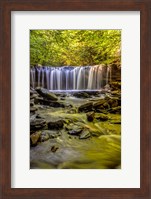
{"x": 76, "y": 129}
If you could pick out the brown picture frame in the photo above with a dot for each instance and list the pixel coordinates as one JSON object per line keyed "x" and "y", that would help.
{"x": 6, "y": 6}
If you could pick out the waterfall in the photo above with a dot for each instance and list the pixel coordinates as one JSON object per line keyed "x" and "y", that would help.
{"x": 108, "y": 75}
{"x": 70, "y": 78}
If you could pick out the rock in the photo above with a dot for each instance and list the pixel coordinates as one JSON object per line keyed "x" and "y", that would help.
{"x": 115, "y": 85}
{"x": 99, "y": 103}
{"x": 101, "y": 111}
{"x": 34, "y": 138}
{"x": 32, "y": 91}
{"x": 119, "y": 102}
{"x": 33, "y": 96}
{"x": 33, "y": 109}
{"x": 92, "y": 92}
{"x": 37, "y": 124}
{"x": 62, "y": 98}
{"x": 86, "y": 107}
{"x": 113, "y": 102}
{"x": 90, "y": 116}
{"x": 106, "y": 105}
{"x": 85, "y": 134}
{"x": 115, "y": 122}
{"x": 39, "y": 116}
{"x": 44, "y": 136}
{"x": 116, "y": 92}
{"x": 52, "y": 133}
{"x": 76, "y": 130}
{"x": 46, "y": 94}
{"x": 54, "y": 148}
{"x": 56, "y": 124}
{"x": 102, "y": 117}
{"x": 81, "y": 95}
{"x": 115, "y": 110}
{"x": 42, "y": 101}
{"x": 31, "y": 103}
{"x": 72, "y": 111}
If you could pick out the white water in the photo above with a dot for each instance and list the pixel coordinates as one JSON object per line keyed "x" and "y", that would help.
{"x": 70, "y": 78}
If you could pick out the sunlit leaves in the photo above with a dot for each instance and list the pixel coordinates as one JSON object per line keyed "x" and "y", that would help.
{"x": 74, "y": 47}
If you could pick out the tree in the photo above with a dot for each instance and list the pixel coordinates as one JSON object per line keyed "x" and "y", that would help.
{"x": 74, "y": 47}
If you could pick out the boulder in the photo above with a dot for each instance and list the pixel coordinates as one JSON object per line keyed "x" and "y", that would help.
{"x": 99, "y": 103}
{"x": 113, "y": 102}
{"x": 85, "y": 134}
{"x": 106, "y": 105}
{"x": 90, "y": 116}
{"x": 46, "y": 94}
{"x": 44, "y": 136}
{"x": 115, "y": 110}
{"x": 33, "y": 96}
{"x": 31, "y": 103}
{"x": 56, "y": 124}
{"x": 32, "y": 91}
{"x": 34, "y": 138}
{"x": 76, "y": 130}
{"x": 50, "y": 134}
{"x": 33, "y": 109}
{"x": 102, "y": 117}
{"x": 37, "y": 123}
{"x": 51, "y": 103}
{"x": 81, "y": 95}
{"x": 54, "y": 149}
{"x": 86, "y": 107}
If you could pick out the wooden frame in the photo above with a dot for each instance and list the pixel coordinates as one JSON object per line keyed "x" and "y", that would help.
{"x": 6, "y": 6}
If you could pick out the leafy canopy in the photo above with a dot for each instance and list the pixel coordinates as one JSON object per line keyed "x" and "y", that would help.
{"x": 74, "y": 47}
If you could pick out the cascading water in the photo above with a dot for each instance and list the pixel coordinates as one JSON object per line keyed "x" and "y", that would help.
{"x": 70, "y": 78}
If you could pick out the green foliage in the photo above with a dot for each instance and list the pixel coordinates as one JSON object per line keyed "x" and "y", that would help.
{"x": 74, "y": 47}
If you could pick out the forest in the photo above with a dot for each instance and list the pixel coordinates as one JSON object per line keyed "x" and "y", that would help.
{"x": 74, "y": 47}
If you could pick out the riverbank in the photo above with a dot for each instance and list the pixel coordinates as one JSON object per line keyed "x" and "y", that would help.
{"x": 75, "y": 130}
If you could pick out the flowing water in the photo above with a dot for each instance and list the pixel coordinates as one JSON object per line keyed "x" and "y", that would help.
{"x": 70, "y": 78}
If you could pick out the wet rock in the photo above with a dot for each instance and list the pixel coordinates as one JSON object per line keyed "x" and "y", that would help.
{"x": 86, "y": 107}
{"x": 92, "y": 92}
{"x": 33, "y": 96}
{"x": 115, "y": 122}
{"x": 85, "y": 134}
{"x": 115, "y": 85}
{"x": 113, "y": 102}
{"x": 115, "y": 110}
{"x": 90, "y": 116}
{"x": 76, "y": 130}
{"x": 31, "y": 103}
{"x": 33, "y": 109}
{"x": 81, "y": 95}
{"x": 46, "y": 94}
{"x": 54, "y": 148}
{"x": 102, "y": 117}
{"x": 32, "y": 91}
{"x": 101, "y": 110}
{"x": 62, "y": 98}
{"x": 116, "y": 93}
{"x": 52, "y": 133}
{"x": 72, "y": 111}
{"x": 42, "y": 101}
{"x": 56, "y": 124}
{"x": 37, "y": 123}
{"x": 44, "y": 136}
{"x": 99, "y": 103}
{"x": 34, "y": 138}
{"x": 39, "y": 116}
{"x": 106, "y": 105}
{"x": 119, "y": 102}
